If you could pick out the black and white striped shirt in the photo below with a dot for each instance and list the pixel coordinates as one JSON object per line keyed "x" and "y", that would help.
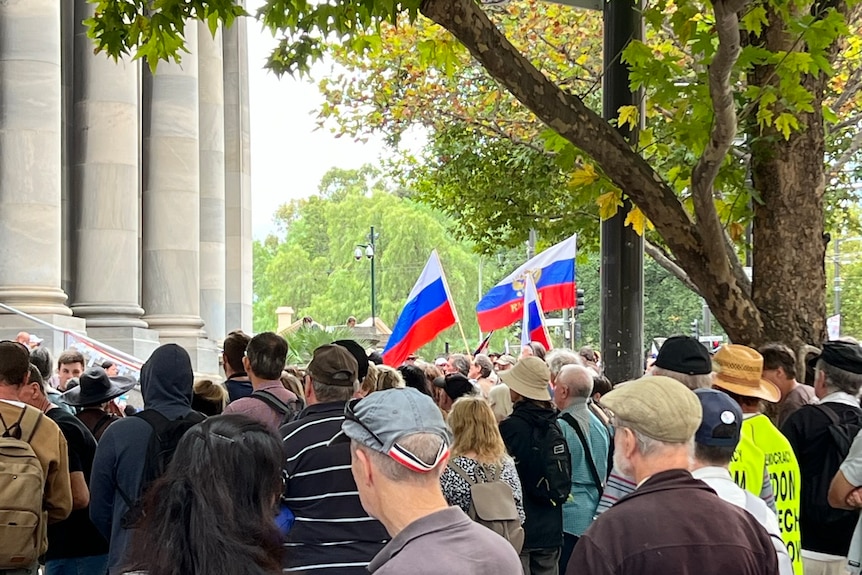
{"x": 332, "y": 533}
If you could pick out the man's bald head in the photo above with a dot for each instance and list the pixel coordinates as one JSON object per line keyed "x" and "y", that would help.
{"x": 576, "y": 380}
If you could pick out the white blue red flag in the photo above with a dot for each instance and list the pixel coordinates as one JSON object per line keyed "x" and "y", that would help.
{"x": 428, "y": 311}
{"x": 533, "y": 324}
{"x": 554, "y": 273}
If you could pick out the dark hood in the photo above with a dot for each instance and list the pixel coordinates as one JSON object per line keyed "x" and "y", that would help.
{"x": 167, "y": 380}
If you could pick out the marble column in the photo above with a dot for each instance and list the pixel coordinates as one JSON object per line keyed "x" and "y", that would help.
{"x": 105, "y": 184}
{"x": 212, "y": 174}
{"x": 30, "y": 161}
{"x": 238, "y": 237}
{"x": 171, "y": 198}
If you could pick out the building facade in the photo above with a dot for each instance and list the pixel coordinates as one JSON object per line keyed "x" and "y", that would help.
{"x": 125, "y": 199}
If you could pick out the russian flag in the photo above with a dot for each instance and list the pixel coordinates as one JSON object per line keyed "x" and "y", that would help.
{"x": 533, "y": 325}
{"x": 428, "y": 311}
{"x": 554, "y": 273}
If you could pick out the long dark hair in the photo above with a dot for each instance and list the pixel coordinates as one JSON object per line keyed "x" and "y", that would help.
{"x": 213, "y": 511}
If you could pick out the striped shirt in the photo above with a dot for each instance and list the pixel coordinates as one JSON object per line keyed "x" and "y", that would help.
{"x": 332, "y": 533}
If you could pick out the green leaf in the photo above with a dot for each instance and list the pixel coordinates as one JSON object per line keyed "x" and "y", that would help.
{"x": 754, "y": 20}
{"x": 786, "y": 123}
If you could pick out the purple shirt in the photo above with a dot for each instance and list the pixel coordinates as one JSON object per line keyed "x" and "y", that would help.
{"x": 257, "y": 409}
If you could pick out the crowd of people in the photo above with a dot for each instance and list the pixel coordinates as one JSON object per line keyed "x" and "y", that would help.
{"x": 745, "y": 461}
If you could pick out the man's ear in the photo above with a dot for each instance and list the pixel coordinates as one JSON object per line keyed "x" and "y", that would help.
{"x": 364, "y": 470}
{"x": 629, "y": 443}
{"x": 246, "y": 364}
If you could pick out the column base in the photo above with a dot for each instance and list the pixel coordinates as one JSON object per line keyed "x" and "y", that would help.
{"x": 176, "y": 326}
{"x": 133, "y": 340}
{"x": 36, "y": 300}
{"x": 110, "y": 315}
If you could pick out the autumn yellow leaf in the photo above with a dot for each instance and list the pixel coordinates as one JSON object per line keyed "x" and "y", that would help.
{"x": 736, "y": 231}
{"x": 609, "y": 204}
{"x": 584, "y": 176}
{"x": 638, "y": 221}
{"x": 628, "y": 115}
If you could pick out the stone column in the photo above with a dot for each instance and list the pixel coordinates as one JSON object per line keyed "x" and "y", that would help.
{"x": 238, "y": 238}
{"x": 30, "y": 163}
{"x": 171, "y": 203}
{"x": 105, "y": 185}
{"x": 212, "y": 174}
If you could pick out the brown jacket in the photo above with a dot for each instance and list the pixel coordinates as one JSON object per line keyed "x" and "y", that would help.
{"x": 50, "y": 447}
{"x": 676, "y": 524}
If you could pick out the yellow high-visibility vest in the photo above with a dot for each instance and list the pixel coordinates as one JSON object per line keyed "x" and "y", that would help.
{"x": 747, "y": 465}
{"x": 786, "y": 480}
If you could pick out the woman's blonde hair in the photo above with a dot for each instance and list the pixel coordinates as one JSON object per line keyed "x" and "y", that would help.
{"x": 475, "y": 429}
{"x": 292, "y": 383}
{"x": 388, "y": 378}
{"x": 369, "y": 384}
{"x": 209, "y": 398}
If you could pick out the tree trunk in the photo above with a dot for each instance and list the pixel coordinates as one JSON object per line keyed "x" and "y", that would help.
{"x": 789, "y": 283}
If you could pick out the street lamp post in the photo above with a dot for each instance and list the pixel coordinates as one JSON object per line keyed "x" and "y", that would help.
{"x": 369, "y": 252}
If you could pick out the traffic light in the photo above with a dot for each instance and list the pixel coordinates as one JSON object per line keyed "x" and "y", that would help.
{"x": 695, "y": 329}
{"x": 579, "y": 308}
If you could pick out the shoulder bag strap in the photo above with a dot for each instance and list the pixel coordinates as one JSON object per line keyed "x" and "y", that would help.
{"x": 833, "y": 417}
{"x": 589, "y": 455}
{"x": 102, "y": 423}
{"x": 272, "y": 401}
{"x": 30, "y": 419}
{"x": 462, "y": 472}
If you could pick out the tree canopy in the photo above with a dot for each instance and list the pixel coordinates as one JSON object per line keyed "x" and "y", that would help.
{"x": 310, "y": 264}
{"x": 747, "y": 100}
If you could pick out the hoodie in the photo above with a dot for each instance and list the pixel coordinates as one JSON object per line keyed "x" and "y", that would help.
{"x": 543, "y": 527}
{"x": 166, "y": 385}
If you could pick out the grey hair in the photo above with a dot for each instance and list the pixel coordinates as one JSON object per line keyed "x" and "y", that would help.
{"x": 461, "y": 363}
{"x": 325, "y": 393}
{"x": 577, "y": 379}
{"x": 558, "y": 358}
{"x": 838, "y": 379}
{"x": 649, "y": 446}
{"x": 425, "y": 446}
{"x": 700, "y": 381}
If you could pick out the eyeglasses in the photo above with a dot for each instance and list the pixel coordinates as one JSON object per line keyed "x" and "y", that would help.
{"x": 350, "y": 415}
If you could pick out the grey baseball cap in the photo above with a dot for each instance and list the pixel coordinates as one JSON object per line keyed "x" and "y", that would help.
{"x": 381, "y": 419}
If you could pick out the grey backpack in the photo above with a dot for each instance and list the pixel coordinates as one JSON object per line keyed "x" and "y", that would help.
{"x": 492, "y": 504}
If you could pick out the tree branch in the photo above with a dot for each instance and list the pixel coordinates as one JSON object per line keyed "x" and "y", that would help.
{"x": 663, "y": 260}
{"x": 846, "y": 157}
{"x": 724, "y": 126}
{"x": 573, "y": 120}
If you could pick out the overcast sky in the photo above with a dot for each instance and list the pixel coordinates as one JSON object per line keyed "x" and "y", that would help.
{"x": 288, "y": 156}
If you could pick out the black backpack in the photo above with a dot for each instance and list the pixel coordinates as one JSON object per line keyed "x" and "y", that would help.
{"x": 163, "y": 443}
{"x": 288, "y": 410}
{"x": 550, "y": 466}
{"x": 842, "y": 431}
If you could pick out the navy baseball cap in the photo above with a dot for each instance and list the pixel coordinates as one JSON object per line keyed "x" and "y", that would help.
{"x": 722, "y": 419}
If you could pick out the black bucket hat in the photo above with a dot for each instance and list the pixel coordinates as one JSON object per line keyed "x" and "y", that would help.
{"x": 96, "y": 388}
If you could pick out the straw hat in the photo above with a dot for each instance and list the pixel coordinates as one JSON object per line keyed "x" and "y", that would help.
{"x": 738, "y": 370}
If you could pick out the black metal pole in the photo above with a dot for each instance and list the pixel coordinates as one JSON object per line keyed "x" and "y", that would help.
{"x": 373, "y": 286}
{"x": 621, "y": 247}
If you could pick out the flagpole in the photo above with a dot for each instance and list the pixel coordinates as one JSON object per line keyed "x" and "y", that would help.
{"x": 452, "y": 304}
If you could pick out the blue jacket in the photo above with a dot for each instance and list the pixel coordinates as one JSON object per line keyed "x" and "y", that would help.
{"x": 166, "y": 385}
